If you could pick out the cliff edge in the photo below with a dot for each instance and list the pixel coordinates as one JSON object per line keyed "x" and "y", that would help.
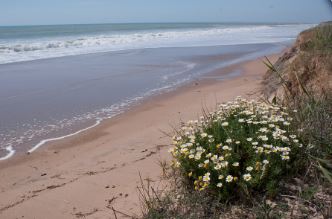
{"x": 307, "y": 64}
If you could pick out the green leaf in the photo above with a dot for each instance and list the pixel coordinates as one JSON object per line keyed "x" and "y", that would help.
{"x": 327, "y": 163}
{"x": 327, "y": 174}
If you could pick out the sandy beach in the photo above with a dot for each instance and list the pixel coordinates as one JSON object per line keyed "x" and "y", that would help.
{"x": 99, "y": 100}
{"x": 85, "y": 175}
{"x": 52, "y": 98}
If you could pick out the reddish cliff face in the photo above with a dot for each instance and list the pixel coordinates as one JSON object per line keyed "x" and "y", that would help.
{"x": 307, "y": 62}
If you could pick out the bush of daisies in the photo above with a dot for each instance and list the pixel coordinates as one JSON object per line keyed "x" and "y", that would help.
{"x": 241, "y": 148}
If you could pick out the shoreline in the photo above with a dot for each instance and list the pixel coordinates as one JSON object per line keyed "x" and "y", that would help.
{"x": 113, "y": 153}
{"x": 29, "y": 145}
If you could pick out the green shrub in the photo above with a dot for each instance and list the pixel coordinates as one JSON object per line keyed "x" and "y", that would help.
{"x": 241, "y": 148}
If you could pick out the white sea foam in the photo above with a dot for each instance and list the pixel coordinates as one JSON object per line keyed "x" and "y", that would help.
{"x": 31, "y": 49}
{"x": 41, "y": 143}
{"x": 10, "y": 153}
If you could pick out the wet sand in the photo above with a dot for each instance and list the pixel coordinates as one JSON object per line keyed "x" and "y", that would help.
{"x": 85, "y": 175}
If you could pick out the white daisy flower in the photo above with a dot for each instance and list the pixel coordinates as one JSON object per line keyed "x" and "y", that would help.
{"x": 229, "y": 178}
{"x": 247, "y": 177}
{"x": 249, "y": 168}
{"x": 219, "y": 185}
{"x": 266, "y": 162}
{"x": 224, "y": 124}
{"x": 236, "y": 164}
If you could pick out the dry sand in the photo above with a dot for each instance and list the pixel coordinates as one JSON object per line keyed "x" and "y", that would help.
{"x": 85, "y": 175}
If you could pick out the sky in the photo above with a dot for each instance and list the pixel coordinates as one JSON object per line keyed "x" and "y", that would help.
{"x": 35, "y": 12}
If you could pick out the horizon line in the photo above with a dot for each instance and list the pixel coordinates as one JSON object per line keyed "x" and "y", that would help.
{"x": 180, "y": 22}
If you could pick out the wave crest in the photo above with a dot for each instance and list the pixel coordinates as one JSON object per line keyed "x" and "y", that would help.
{"x": 24, "y": 50}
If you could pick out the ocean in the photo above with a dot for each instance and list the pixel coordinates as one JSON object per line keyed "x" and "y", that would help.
{"x": 57, "y": 81}
{"x": 39, "y": 42}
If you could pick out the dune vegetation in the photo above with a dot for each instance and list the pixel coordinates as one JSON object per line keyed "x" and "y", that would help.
{"x": 267, "y": 158}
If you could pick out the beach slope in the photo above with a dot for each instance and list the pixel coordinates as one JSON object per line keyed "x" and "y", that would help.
{"x": 86, "y": 175}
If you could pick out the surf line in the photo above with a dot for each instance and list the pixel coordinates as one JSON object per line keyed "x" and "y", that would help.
{"x": 41, "y": 143}
{"x": 10, "y": 153}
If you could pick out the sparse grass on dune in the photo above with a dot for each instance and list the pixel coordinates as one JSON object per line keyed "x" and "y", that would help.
{"x": 320, "y": 39}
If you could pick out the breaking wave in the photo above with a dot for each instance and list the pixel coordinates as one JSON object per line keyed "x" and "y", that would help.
{"x": 31, "y": 49}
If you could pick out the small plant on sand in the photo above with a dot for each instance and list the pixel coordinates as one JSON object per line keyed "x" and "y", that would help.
{"x": 242, "y": 148}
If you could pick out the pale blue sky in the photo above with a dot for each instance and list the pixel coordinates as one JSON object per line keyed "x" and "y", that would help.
{"x": 23, "y": 12}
